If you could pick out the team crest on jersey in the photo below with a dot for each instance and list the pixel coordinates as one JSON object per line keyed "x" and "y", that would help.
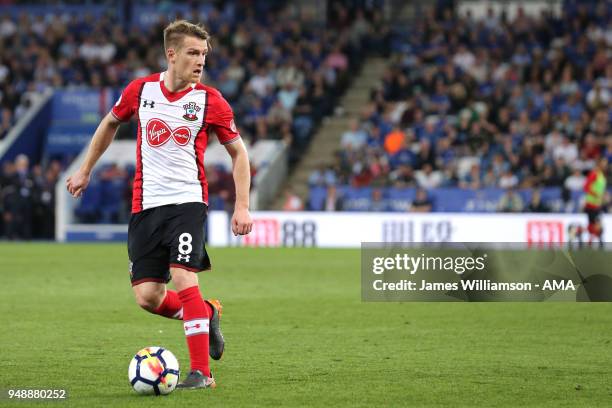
{"x": 191, "y": 111}
{"x": 158, "y": 133}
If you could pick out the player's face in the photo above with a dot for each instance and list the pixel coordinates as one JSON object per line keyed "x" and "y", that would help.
{"x": 190, "y": 58}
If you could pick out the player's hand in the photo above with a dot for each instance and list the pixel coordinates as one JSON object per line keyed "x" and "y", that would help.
{"x": 242, "y": 223}
{"x": 77, "y": 183}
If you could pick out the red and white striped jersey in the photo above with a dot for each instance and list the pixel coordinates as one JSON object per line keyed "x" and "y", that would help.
{"x": 172, "y": 137}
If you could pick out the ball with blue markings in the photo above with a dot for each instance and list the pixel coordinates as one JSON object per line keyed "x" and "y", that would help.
{"x": 154, "y": 371}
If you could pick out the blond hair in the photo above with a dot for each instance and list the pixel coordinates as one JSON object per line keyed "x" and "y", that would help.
{"x": 177, "y": 30}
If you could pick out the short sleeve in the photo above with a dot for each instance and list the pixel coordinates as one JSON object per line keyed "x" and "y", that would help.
{"x": 221, "y": 118}
{"x": 126, "y": 105}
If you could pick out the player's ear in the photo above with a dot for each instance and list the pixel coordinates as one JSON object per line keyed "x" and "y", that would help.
{"x": 170, "y": 54}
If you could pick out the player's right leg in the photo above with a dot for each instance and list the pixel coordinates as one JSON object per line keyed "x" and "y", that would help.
{"x": 197, "y": 327}
{"x": 599, "y": 228}
{"x": 216, "y": 341}
{"x": 149, "y": 265}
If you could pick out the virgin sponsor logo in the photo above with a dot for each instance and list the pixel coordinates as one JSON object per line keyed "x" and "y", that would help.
{"x": 158, "y": 133}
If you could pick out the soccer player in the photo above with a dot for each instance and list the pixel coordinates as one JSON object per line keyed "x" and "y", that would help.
{"x": 595, "y": 188}
{"x": 175, "y": 115}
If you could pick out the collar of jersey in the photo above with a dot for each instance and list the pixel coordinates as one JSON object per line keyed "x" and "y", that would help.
{"x": 172, "y": 96}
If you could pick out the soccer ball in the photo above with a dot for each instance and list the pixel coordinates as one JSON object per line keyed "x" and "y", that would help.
{"x": 154, "y": 370}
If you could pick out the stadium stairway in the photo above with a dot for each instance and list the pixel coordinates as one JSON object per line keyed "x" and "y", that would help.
{"x": 327, "y": 139}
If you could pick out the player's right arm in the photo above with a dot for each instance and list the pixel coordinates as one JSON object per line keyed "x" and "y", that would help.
{"x": 102, "y": 138}
{"x": 123, "y": 110}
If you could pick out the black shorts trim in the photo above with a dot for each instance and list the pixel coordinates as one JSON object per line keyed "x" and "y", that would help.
{"x": 196, "y": 270}
{"x": 139, "y": 281}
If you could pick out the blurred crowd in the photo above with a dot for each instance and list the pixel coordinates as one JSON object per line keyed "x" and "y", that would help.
{"x": 279, "y": 67}
{"x": 489, "y": 102}
{"x": 27, "y": 199}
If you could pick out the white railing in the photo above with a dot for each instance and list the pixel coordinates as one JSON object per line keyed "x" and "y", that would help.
{"x": 16, "y": 130}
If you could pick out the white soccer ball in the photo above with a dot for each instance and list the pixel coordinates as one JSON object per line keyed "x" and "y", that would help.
{"x": 154, "y": 370}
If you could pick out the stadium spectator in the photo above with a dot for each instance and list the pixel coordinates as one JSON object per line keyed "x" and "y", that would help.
{"x": 323, "y": 176}
{"x": 27, "y": 199}
{"x": 403, "y": 177}
{"x": 428, "y": 178}
{"x": 421, "y": 203}
{"x": 508, "y": 180}
{"x": 395, "y": 141}
{"x": 333, "y": 202}
{"x": 378, "y": 202}
{"x": 354, "y": 138}
{"x": 536, "y": 205}
{"x": 43, "y": 208}
{"x": 510, "y": 201}
{"x": 575, "y": 181}
{"x": 293, "y": 202}
{"x": 221, "y": 188}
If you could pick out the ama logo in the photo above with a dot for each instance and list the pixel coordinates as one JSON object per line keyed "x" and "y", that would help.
{"x": 158, "y": 133}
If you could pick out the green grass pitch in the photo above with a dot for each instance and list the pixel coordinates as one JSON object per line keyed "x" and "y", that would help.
{"x": 297, "y": 335}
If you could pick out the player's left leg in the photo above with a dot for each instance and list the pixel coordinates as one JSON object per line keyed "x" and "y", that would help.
{"x": 169, "y": 305}
{"x": 196, "y": 318}
{"x": 599, "y": 232}
{"x": 185, "y": 241}
{"x": 184, "y": 237}
{"x": 595, "y": 226}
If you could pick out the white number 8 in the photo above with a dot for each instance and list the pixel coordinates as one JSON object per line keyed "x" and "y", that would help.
{"x": 185, "y": 246}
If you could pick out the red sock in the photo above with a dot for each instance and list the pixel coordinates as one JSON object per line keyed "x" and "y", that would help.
{"x": 196, "y": 320}
{"x": 171, "y": 307}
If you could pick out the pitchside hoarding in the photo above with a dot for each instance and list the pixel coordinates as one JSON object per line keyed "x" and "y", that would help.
{"x": 349, "y": 230}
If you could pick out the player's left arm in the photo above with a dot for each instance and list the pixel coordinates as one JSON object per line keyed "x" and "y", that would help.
{"x": 241, "y": 220}
{"x": 221, "y": 118}
{"x": 588, "y": 185}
